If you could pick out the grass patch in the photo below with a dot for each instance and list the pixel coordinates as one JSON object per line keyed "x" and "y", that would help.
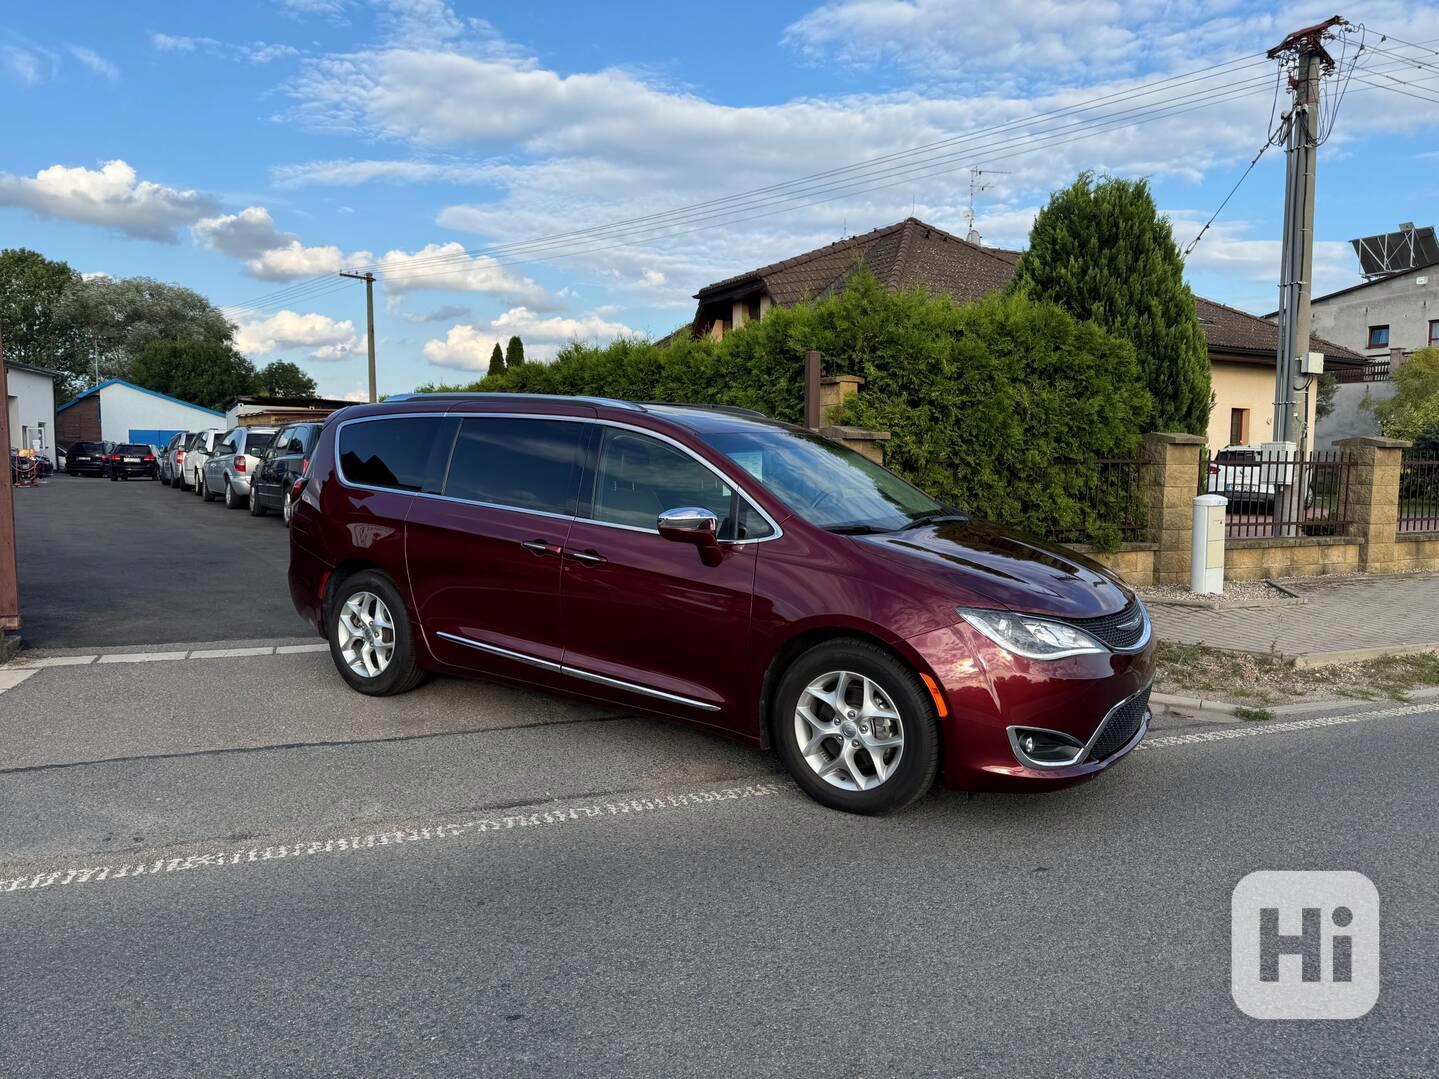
{"x": 1254, "y": 714}
{"x": 1258, "y": 680}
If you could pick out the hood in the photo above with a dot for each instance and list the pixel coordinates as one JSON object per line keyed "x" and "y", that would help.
{"x": 1009, "y": 568}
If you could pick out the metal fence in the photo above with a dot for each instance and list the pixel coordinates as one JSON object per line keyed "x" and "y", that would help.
{"x": 1299, "y": 495}
{"x": 1371, "y": 372}
{"x": 1114, "y": 502}
{"x": 1418, "y": 495}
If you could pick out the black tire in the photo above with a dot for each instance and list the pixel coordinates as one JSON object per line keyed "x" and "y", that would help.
{"x": 164, "y": 480}
{"x": 198, "y": 485}
{"x": 256, "y": 509}
{"x": 231, "y": 502}
{"x": 113, "y": 477}
{"x": 403, "y": 673}
{"x": 918, "y": 761}
{"x": 205, "y": 492}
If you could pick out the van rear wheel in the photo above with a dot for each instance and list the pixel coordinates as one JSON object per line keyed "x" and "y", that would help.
{"x": 856, "y": 728}
{"x": 370, "y": 637}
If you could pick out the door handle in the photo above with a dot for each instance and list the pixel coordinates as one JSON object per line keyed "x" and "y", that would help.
{"x": 539, "y": 547}
{"x": 591, "y": 557}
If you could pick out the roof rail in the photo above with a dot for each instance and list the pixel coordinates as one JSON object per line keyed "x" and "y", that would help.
{"x": 466, "y": 396}
{"x": 734, "y": 410}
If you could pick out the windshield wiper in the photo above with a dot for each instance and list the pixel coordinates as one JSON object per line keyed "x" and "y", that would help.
{"x": 934, "y": 517}
{"x": 857, "y": 530}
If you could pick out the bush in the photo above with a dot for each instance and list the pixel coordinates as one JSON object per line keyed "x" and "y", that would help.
{"x": 1003, "y": 407}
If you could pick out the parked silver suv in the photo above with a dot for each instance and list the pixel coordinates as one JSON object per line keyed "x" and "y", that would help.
{"x": 198, "y": 448}
{"x": 232, "y": 464}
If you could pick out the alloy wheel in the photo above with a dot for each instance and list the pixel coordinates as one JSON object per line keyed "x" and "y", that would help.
{"x": 366, "y": 634}
{"x": 849, "y": 731}
{"x": 287, "y": 509}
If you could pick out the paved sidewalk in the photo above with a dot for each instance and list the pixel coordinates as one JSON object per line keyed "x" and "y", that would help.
{"x": 1354, "y": 614}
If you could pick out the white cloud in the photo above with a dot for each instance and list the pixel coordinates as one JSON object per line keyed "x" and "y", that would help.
{"x": 94, "y": 61}
{"x": 446, "y": 266}
{"x": 252, "y": 52}
{"x": 467, "y": 347}
{"x": 28, "y": 64}
{"x": 347, "y": 173}
{"x": 959, "y": 35}
{"x": 110, "y": 196}
{"x": 324, "y": 338}
{"x": 269, "y": 254}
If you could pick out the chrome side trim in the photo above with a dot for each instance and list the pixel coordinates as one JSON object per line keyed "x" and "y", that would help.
{"x": 533, "y": 661}
{"x": 660, "y": 435}
{"x": 1083, "y": 754}
{"x": 588, "y": 676}
{"x": 674, "y": 698}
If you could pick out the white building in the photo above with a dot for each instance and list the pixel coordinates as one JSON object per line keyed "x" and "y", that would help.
{"x": 30, "y": 398}
{"x": 120, "y": 411}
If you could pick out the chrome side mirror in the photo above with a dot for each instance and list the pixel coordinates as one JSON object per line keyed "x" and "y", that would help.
{"x": 692, "y": 524}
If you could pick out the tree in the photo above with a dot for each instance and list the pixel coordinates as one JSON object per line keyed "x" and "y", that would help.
{"x": 1101, "y": 251}
{"x": 284, "y": 379}
{"x": 202, "y": 372}
{"x": 497, "y": 361}
{"x": 1326, "y": 390}
{"x": 1414, "y": 408}
{"x": 108, "y": 322}
{"x": 514, "y": 353}
{"x": 30, "y": 289}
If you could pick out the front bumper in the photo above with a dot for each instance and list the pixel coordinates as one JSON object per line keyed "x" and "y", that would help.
{"x": 989, "y": 690}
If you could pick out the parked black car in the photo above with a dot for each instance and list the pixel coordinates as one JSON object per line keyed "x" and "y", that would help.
{"x": 88, "y": 458}
{"x": 133, "y": 459}
{"x": 283, "y": 463}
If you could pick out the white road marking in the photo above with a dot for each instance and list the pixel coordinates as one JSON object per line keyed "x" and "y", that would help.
{"x": 141, "y": 657}
{"x": 11, "y": 679}
{"x": 52, "y": 661}
{"x": 230, "y": 653}
{"x": 1257, "y": 728}
{"x": 222, "y": 858}
{"x": 299, "y": 649}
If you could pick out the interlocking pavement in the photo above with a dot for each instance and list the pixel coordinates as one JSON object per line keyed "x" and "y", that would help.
{"x": 1352, "y": 614}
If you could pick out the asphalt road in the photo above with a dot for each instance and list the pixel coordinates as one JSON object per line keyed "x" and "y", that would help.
{"x": 104, "y": 563}
{"x": 479, "y": 881}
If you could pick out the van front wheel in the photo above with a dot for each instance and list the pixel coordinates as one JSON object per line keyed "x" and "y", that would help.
{"x": 856, "y": 729}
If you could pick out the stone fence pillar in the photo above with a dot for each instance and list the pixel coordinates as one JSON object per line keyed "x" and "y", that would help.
{"x": 868, "y": 443}
{"x": 834, "y": 391}
{"x": 1369, "y": 499}
{"x": 1172, "y": 481}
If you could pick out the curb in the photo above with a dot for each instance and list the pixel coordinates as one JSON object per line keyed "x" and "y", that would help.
{"x": 1309, "y": 660}
{"x": 1228, "y": 709}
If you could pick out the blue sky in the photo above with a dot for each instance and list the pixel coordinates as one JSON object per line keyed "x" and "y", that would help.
{"x": 250, "y": 151}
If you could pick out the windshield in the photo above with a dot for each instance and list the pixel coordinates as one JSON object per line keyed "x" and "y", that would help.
{"x": 827, "y": 484}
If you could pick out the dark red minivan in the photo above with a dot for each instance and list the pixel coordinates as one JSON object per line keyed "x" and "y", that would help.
{"x": 715, "y": 566}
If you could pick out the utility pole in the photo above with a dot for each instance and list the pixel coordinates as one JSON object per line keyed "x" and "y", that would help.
{"x": 1311, "y": 60}
{"x": 1304, "y": 50}
{"x": 369, "y": 279}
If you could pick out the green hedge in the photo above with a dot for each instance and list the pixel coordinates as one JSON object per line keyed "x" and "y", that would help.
{"x": 1004, "y": 407}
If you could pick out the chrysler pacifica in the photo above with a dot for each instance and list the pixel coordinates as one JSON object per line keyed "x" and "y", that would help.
{"x": 736, "y": 573}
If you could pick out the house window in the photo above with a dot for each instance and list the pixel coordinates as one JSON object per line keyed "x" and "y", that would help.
{"x": 1378, "y": 337}
{"x": 1434, "y": 331}
{"x": 1239, "y": 426}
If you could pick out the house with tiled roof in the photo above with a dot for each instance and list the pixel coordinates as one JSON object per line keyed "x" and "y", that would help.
{"x": 1242, "y": 347}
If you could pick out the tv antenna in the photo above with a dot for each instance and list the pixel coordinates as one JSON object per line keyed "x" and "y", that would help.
{"x": 977, "y": 187}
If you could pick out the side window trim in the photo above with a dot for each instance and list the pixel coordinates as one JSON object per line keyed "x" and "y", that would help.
{"x": 591, "y": 467}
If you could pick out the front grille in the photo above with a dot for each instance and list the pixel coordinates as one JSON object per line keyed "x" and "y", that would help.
{"x": 1123, "y": 629}
{"x": 1122, "y": 725}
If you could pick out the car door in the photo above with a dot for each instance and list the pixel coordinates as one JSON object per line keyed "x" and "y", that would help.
{"x": 214, "y": 470}
{"x": 645, "y": 617}
{"x": 484, "y": 559}
{"x": 269, "y": 472}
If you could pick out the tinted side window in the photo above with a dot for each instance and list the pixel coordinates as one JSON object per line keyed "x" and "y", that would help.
{"x": 641, "y": 477}
{"x": 528, "y": 464}
{"x": 405, "y": 453}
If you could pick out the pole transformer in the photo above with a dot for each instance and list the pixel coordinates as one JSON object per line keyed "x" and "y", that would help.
{"x": 1310, "y": 60}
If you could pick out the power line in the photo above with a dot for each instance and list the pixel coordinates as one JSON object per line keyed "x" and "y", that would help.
{"x": 1078, "y": 108}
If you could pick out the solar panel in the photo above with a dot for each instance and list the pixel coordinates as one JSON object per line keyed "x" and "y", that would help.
{"x": 1394, "y": 252}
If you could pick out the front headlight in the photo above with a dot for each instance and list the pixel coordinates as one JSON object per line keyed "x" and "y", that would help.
{"x": 1031, "y": 637}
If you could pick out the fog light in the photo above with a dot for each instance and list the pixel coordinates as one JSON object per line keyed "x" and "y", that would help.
{"x": 1045, "y": 749}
